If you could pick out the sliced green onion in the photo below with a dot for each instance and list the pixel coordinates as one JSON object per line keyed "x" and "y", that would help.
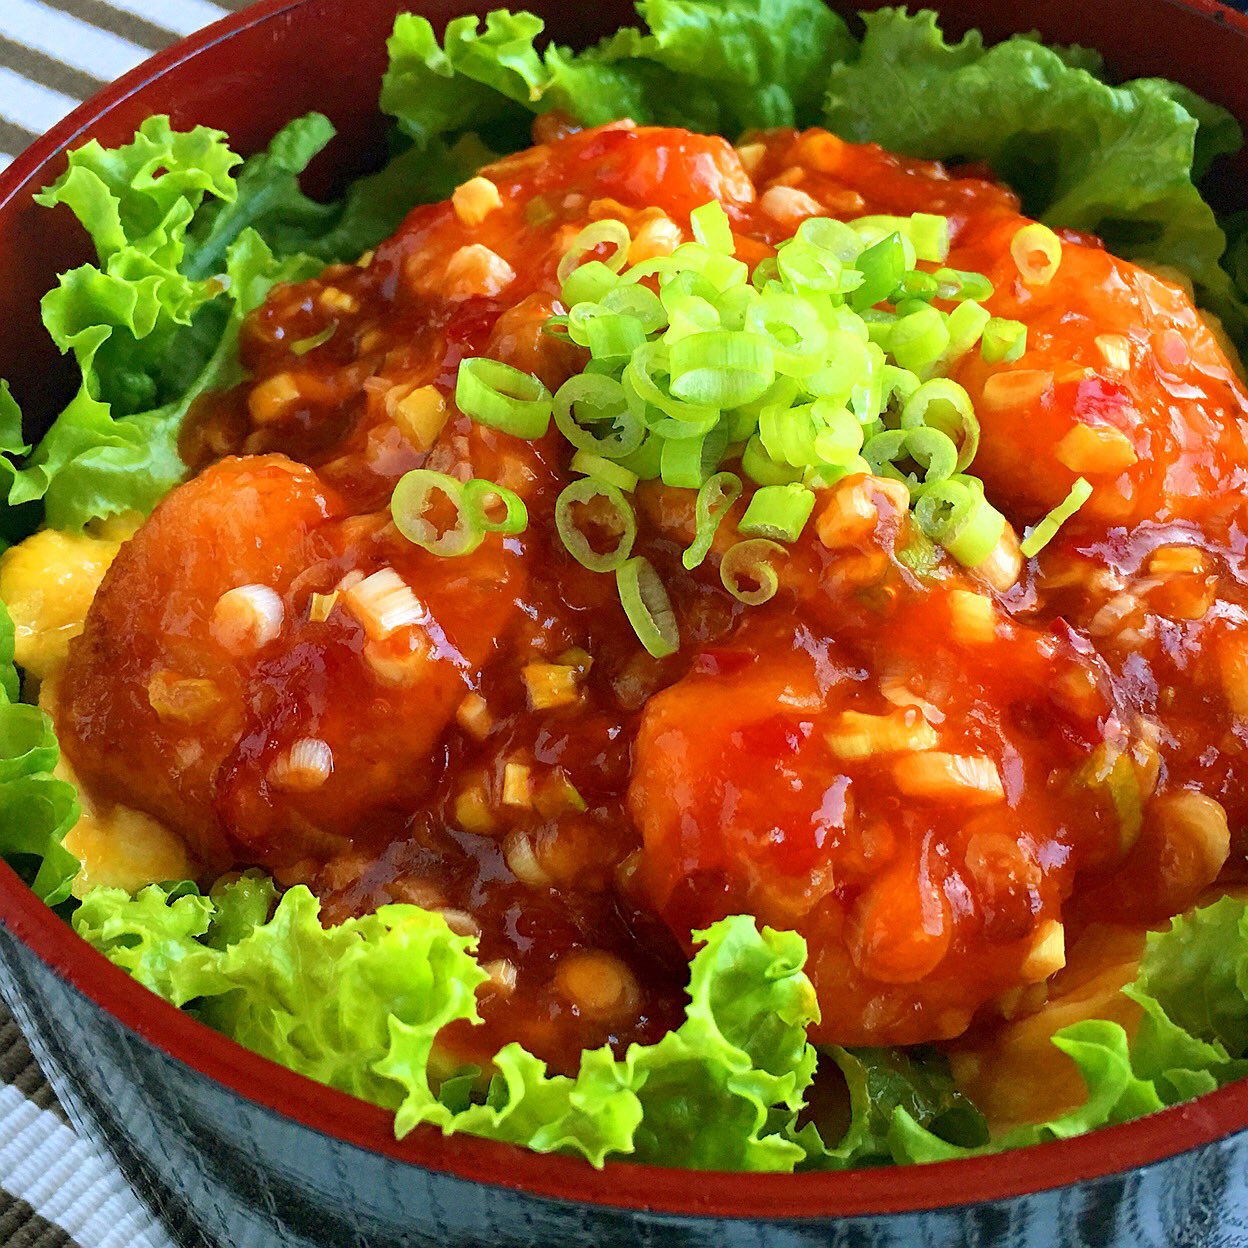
{"x": 613, "y": 336}
{"x": 484, "y": 496}
{"x": 919, "y": 339}
{"x": 916, "y": 285}
{"x": 607, "y": 470}
{"x": 721, "y": 369}
{"x": 501, "y": 396}
{"x": 762, "y": 469}
{"x": 847, "y": 363}
{"x": 648, "y": 607}
{"x": 721, "y": 271}
{"x": 934, "y": 452}
{"x": 809, "y": 268}
{"x": 412, "y": 499}
{"x": 794, "y": 329}
{"x": 822, "y": 476}
{"x": 712, "y": 228}
{"x": 1003, "y": 341}
{"x": 668, "y": 429}
{"x": 589, "y": 283}
{"x": 687, "y": 462}
{"x": 957, "y": 284}
{"x": 944, "y": 405}
{"x": 648, "y": 376}
{"x": 778, "y": 512}
{"x": 687, "y": 315}
{"x": 646, "y": 461}
{"x": 882, "y": 266}
{"x": 306, "y": 345}
{"x": 958, "y": 516}
{"x": 965, "y": 325}
{"x": 680, "y": 283}
{"x": 607, "y": 232}
{"x": 639, "y": 302}
{"x": 751, "y": 561}
{"x": 898, "y": 383}
{"x": 1037, "y": 252}
{"x": 788, "y": 434}
{"x": 734, "y": 306}
{"x": 593, "y": 400}
{"x": 766, "y": 271}
{"x": 1044, "y": 532}
{"x": 930, "y": 236}
{"x": 840, "y": 434}
{"x": 715, "y": 499}
{"x": 883, "y": 450}
{"x": 586, "y": 492}
{"x": 556, "y": 327}
{"x": 829, "y": 234}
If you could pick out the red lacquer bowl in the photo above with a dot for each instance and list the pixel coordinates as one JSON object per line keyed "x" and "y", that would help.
{"x": 237, "y": 1151}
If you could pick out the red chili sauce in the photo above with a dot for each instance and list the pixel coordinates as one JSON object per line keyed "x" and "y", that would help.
{"x": 932, "y": 778}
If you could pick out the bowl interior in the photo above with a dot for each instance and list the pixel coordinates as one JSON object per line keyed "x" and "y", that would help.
{"x": 250, "y": 75}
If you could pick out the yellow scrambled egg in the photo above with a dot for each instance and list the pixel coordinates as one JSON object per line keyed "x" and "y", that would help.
{"x": 47, "y": 582}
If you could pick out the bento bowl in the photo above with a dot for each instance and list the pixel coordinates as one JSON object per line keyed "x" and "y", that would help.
{"x": 234, "y": 1151}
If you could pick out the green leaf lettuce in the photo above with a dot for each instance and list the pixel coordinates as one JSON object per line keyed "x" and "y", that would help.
{"x": 36, "y": 808}
{"x": 361, "y": 1005}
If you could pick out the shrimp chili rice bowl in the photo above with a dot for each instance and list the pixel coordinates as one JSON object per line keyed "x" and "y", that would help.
{"x": 698, "y": 616}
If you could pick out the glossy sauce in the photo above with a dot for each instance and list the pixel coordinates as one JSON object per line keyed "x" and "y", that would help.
{"x": 936, "y": 779}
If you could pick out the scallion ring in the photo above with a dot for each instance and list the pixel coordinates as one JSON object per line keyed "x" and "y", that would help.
{"x": 715, "y": 499}
{"x": 1046, "y": 530}
{"x": 589, "y": 283}
{"x": 607, "y": 470}
{"x": 600, "y": 496}
{"x": 1003, "y": 341}
{"x": 882, "y": 266}
{"x": 798, "y": 338}
{"x": 943, "y": 404}
{"x": 721, "y": 369}
{"x": 687, "y": 462}
{"x": 639, "y": 302}
{"x": 416, "y": 495}
{"x": 918, "y": 339}
{"x": 501, "y": 396}
{"x": 484, "y": 498}
{"x": 605, "y": 233}
{"x": 747, "y": 572}
{"x": 1037, "y": 252}
{"x": 712, "y": 228}
{"x": 759, "y": 466}
{"x": 647, "y": 377}
{"x": 648, "y": 607}
{"x": 778, "y": 512}
{"x": 959, "y": 517}
{"x": 589, "y": 402}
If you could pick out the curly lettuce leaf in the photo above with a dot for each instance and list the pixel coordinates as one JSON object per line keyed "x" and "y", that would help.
{"x": 1192, "y": 986}
{"x": 1119, "y": 161}
{"x": 717, "y": 65}
{"x": 153, "y": 936}
{"x": 36, "y": 809}
{"x": 721, "y": 1091}
{"x": 361, "y": 1006}
{"x": 270, "y": 200}
{"x": 189, "y": 239}
{"x": 881, "y": 1081}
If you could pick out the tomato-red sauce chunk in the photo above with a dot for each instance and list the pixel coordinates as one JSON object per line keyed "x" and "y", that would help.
{"x": 935, "y": 778}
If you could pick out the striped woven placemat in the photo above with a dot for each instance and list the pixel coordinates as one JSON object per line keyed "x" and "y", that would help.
{"x": 55, "y": 1189}
{"x": 56, "y": 53}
